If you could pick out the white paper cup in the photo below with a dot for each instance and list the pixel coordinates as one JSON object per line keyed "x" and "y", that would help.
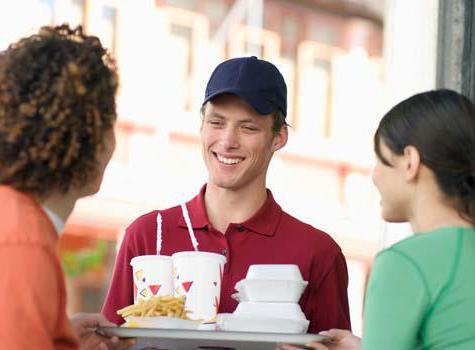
{"x": 198, "y": 276}
{"x": 152, "y": 276}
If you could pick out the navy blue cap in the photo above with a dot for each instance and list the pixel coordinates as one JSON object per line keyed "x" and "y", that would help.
{"x": 256, "y": 81}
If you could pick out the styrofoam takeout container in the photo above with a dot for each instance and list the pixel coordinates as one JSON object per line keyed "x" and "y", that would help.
{"x": 264, "y": 290}
{"x": 275, "y": 310}
{"x": 274, "y": 272}
{"x": 246, "y": 323}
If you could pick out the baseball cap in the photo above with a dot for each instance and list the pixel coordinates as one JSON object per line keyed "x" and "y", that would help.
{"x": 258, "y": 82}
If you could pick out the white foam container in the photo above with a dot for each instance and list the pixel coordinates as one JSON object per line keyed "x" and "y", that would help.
{"x": 246, "y": 323}
{"x": 274, "y": 272}
{"x": 266, "y": 290}
{"x": 275, "y": 310}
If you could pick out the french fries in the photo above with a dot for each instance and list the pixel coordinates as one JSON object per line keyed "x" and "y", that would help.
{"x": 157, "y": 306}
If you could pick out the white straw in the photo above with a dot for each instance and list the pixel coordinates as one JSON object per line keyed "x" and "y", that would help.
{"x": 190, "y": 228}
{"x": 159, "y": 233}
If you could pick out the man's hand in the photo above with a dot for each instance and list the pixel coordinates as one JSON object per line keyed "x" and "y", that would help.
{"x": 340, "y": 340}
{"x": 85, "y": 326}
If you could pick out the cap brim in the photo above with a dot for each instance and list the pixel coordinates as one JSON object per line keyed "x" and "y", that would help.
{"x": 260, "y": 105}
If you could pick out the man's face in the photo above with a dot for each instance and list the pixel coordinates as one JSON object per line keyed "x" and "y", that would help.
{"x": 238, "y": 143}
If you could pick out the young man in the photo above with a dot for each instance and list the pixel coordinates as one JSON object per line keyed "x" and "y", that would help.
{"x": 57, "y": 112}
{"x": 234, "y": 214}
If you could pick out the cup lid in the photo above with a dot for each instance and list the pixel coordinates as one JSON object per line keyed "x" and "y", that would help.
{"x": 194, "y": 254}
{"x": 140, "y": 258}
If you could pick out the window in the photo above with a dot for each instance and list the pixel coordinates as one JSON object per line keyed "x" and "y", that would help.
{"x": 71, "y": 12}
{"x": 103, "y": 22}
{"x": 216, "y": 11}
{"x": 182, "y": 41}
{"x": 108, "y": 19}
{"x": 245, "y": 40}
{"x": 357, "y": 101}
{"x": 47, "y": 10}
{"x": 315, "y": 90}
{"x": 187, "y": 60}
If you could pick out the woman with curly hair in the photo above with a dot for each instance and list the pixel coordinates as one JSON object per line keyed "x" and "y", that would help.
{"x": 421, "y": 290}
{"x": 57, "y": 114}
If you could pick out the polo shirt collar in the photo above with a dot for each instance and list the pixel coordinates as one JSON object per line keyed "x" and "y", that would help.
{"x": 197, "y": 211}
{"x": 265, "y": 221}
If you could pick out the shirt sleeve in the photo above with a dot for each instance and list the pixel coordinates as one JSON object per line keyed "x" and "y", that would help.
{"x": 328, "y": 300}
{"x": 29, "y": 293}
{"x": 396, "y": 298}
{"x": 120, "y": 293}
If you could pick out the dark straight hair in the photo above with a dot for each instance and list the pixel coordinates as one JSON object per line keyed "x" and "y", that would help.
{"x": 440, "y": 124}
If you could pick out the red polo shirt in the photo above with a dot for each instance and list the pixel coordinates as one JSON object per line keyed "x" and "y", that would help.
{"x": 271, "y": 236}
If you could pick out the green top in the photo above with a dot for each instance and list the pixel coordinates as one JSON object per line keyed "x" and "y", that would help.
{"x": 421, "y": 293}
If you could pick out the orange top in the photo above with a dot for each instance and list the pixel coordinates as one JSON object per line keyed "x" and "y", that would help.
{"x": 32, "y": 288}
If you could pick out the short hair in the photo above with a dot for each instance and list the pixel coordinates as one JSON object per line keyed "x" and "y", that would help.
{"x": 57, "y": 100}
{"x": 279, "y": 121}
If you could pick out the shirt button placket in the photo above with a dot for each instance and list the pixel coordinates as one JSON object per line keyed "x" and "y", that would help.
{"x": 225, "y": 251}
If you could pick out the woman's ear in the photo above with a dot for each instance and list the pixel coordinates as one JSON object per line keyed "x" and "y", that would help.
{"x": 412, "y": 162}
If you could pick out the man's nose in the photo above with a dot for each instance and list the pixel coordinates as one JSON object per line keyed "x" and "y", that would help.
{"x": 230, "y": 137}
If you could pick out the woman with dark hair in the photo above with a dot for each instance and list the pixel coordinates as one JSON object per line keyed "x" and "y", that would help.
{"x": 421, "y": 290}
{"x": 57, "y": 115}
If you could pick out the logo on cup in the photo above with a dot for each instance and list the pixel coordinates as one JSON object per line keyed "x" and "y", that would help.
{"x": 198, "y": 276}
{"x": 152, "y": 276}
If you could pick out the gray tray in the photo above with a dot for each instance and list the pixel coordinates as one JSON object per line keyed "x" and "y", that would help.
{"x": 180, "y": 339}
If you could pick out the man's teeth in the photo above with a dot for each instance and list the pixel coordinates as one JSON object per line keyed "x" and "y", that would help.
{"x": 229, "y": 160}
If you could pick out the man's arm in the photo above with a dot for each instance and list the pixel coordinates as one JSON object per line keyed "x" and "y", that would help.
{"x": 29, "y": 292}
{"x": 120, "y": 293}
{"x": 328, "y": 298}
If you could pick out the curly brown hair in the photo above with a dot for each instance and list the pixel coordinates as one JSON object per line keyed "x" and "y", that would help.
{"x": 57, "y": 100}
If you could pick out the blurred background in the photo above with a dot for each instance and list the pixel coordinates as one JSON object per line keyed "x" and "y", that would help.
{"x": 345, "y": 64}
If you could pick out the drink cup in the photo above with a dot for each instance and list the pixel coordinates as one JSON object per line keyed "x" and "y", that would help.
{"x": 152, "y": 276}
{"x": 198, "y": 277}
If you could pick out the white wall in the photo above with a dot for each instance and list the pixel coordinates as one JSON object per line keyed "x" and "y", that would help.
{"x": 410, "y": 55}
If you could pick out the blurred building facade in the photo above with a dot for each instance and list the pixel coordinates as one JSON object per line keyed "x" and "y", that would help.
{"x": 330, "y": 53}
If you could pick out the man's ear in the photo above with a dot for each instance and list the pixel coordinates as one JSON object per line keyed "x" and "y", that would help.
{"x": 280, "y": 138}
{"x": 412, "y": 162}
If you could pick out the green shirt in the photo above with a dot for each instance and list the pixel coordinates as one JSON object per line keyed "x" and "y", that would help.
{"x": 421, "y": 293}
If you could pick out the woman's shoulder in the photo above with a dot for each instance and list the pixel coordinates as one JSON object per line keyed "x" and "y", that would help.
{"x": 430, "y": 255}
{"x": 436, "y": 243}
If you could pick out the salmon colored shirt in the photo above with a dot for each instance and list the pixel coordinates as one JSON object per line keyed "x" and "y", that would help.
{"x": 32, "y": 288}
